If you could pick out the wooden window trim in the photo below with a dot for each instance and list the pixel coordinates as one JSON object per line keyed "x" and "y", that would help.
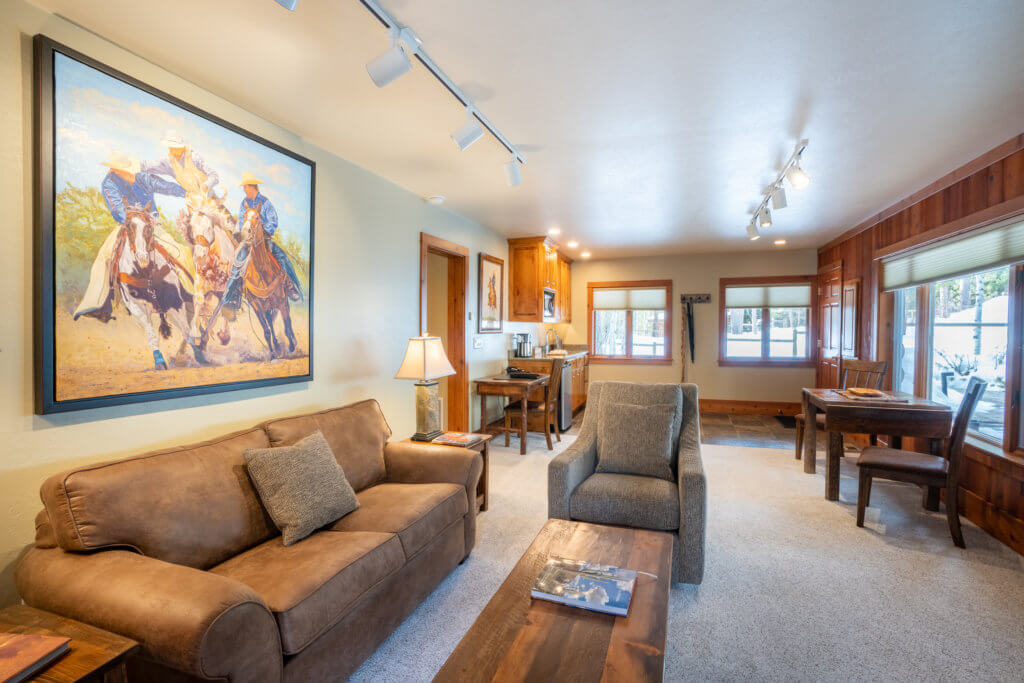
{"x": 765, "y": 362}
{"x": 629, "y": 359}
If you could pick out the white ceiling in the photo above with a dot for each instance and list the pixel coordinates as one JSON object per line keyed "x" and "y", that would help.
{"x": 648, "y": 127}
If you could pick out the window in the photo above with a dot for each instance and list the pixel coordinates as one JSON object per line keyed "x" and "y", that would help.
{"x": 765, "y": 321}
{"x": 905, "y": 336}
{"x": 630, "y": 322}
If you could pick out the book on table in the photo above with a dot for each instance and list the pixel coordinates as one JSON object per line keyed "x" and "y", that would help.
{"x": 23, "y": 655}
{"x": 457, "y": 439}
{"x": 596, "y": 587}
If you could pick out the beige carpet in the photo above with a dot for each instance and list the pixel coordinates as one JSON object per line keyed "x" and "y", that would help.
{"x": 793, "y": 589}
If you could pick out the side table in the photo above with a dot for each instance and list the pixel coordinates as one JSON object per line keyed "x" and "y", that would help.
{"x": 483, "y": 447}
{"x": 93, "y": 655}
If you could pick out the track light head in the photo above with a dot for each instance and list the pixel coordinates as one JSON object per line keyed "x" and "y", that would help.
{"x": 779, "y": 198}
{"x": 288, "y": 4}
{"x": 797, "y": 177}
{"x": 752, "y": 232}
{"x": 469, "y": 132}
{"x": 395, "y": 62}
{"x": 512, "y": 174}
{"x": 764, "y": 217}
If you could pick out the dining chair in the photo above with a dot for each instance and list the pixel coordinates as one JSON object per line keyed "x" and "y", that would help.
{"x": 921, "y": 468}
{"x": 545, "y": 411}
{"x": 853, "y": 373}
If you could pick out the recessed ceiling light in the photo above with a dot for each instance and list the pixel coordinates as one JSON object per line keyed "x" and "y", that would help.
{"x": 573, "y": 244}
{"x": 585, "y": 254}
{"x": 554, "y": 231}
{"x": 779, "y": 243}
{"x": 436, "y": 199}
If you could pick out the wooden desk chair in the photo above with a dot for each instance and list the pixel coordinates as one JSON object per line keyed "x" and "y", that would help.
{"x": 853, "y": 373}
{"x": 545, "y": 412}
{"x": 920, "y": 468}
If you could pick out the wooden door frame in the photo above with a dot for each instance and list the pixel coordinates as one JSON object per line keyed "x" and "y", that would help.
{"x": 458, "y": 286}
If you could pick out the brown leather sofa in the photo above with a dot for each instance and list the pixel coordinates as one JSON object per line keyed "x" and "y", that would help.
{"x": 174, "y": 549}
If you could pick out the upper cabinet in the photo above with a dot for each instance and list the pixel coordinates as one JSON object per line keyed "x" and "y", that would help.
{"x": 539, "y": 281}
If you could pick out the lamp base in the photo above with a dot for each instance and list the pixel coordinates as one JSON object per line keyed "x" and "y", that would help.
{"x": 428, "y": 411}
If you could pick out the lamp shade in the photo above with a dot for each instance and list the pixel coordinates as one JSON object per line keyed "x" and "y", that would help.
{"x": 425, "y": 360}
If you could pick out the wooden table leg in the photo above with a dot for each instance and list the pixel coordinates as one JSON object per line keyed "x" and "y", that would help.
{"x": 483, "y": 413}
{"x": 930, "y": 495}
{"x": 895, "y": 441}
{"x": 522, "y": 427}
{"x": 835, "y": 450}
{"x": 810, "y": 436}
{"x": 482, "y": 487}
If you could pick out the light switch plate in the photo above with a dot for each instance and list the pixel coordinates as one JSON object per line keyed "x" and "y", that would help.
{"x": 478, "y": 342}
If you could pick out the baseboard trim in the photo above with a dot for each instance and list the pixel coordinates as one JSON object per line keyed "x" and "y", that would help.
{"x": 718, "y": 405}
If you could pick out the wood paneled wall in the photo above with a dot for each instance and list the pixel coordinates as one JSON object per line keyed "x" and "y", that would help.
{"x": 986, "y": 188}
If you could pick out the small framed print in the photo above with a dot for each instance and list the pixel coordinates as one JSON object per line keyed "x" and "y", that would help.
{"x": 490, "y": 295}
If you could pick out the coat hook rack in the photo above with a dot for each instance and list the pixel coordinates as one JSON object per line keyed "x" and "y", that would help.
{"x": 688, "y": 300}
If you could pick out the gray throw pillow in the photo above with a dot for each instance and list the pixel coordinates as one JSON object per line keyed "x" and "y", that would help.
{"x": 636, "y": 439}
{"x": 302, "y": 486}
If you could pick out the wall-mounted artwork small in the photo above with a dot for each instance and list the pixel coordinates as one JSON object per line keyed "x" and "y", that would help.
{"x": 491, "y": 295}
{"x": 174, "y": 249}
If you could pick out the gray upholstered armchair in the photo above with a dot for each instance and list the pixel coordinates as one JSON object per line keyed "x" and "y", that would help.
{"x": 577, "y": 491}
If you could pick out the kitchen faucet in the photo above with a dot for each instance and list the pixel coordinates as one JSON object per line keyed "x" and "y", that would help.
{"x": 558, "y": 340}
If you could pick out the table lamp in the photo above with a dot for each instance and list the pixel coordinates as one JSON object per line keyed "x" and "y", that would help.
{"x": 424, "y": 362}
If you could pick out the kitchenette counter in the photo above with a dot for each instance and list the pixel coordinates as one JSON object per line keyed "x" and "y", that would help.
{"x": 576, "y": 359}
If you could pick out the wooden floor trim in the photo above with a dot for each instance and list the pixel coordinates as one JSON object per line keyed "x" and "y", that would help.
{"x": 999, "y": 524}
{"x": 734, "y": 407}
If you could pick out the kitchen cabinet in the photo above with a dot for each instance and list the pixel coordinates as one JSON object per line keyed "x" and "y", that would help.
{"x": 580, "y": 380}
{"x": 537, "y": 270}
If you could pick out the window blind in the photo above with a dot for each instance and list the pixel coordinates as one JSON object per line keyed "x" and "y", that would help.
{"x": 768, "y": 296}
{"x": 998, "y": 245}
{"x": 637, "y": 299}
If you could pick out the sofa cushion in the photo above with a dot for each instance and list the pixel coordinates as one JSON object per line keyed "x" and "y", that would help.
{"x": 642, "y": 394}
{"x": 626, "y": 500}
{"x": 636, "y": 439}
{"x": 311, "y": 585}
{"x": 191, "y": 505}
{"x": 302, "y": 486}
{"x": 418, "y": 513}
{"x": 356, "y": 433}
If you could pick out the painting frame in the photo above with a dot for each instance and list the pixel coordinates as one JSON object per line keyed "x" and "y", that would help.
{"x": 44, "y": 287}
{"x": 481, "y": 294}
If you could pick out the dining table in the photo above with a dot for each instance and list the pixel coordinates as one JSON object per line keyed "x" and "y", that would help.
{"x": 517, "y": 390}
{"x": 894, "y": 414}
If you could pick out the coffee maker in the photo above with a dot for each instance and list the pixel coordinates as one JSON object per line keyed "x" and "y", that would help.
{"x": 522, "y": 345}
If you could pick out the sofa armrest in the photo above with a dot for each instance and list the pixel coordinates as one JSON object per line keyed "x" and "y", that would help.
{"x": 414, "y": 463}
{"x": 693, "y": 502}
{"x": 569, "y": 470}
{"x": 206, "y": 625}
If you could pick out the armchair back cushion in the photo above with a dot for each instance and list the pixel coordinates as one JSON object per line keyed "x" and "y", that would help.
{"x": 642, "y": 395}
{"x": 636, "y": 439}
{"x": 191, "y": 505}
{"x": 356, "y": 434}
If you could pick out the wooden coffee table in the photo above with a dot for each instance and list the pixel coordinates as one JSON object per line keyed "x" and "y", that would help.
{"x": 517, "y": 638}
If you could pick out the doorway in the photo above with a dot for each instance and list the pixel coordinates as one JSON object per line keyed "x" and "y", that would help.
{"x": 444, "y": 280}
{"x": 830, "y": 324}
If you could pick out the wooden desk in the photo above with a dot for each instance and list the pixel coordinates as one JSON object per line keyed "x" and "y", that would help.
{"x": 483, "y": 448}
{"x": 517, "y": 638}
{"x": 515, "y": 390}
{"x": 910, "y": 416}
{"x": 94, "y": 654}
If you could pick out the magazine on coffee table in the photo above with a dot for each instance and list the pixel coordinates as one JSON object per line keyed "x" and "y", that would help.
{"x": 596, "y": 587}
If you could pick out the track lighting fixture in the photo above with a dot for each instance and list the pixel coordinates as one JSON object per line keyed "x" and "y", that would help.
{"x": 288, "y": 4}
{"x": 776, "y": 193}
{"x": 796, "y": 176}
{"x": 469, "y": 132}
{"x": 779, "y": 198}
{"x": 515, "y": 179}
{"x": 396, "y": 62}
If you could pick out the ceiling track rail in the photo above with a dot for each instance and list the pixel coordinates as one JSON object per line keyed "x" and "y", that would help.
{"x": 430, "y": 65}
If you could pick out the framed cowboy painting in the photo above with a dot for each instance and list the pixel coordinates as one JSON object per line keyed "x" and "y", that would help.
{"x": 174, "y": 250}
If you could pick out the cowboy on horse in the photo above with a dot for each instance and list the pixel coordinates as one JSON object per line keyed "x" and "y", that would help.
{"x": 254, "y": 199}
{"x": 187, "y": 168}
{"x": 128, "y": 191}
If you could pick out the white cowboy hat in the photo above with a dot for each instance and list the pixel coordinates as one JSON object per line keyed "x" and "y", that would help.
{"x": 172, "y": 140}
{"x": 122, "y": 162}
{"x": 248, "y": 179}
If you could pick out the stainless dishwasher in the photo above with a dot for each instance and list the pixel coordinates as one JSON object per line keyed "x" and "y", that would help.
{"x": 565, "y": 398}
